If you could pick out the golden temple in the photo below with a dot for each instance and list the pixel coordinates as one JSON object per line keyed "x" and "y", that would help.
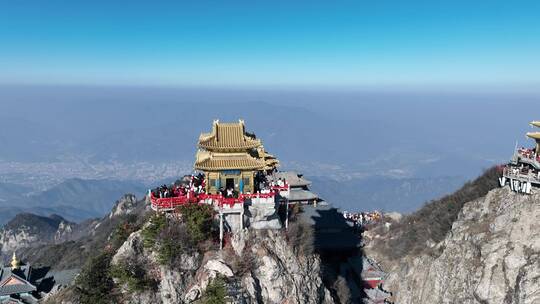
{"x": 231, "y": 158}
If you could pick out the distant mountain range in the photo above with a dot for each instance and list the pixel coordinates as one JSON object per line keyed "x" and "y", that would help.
{"x": 74, "y": 199}
{"x": 384, "y": 193}
{"x": 79, "y": 199}
{"x": 10, "y": 192}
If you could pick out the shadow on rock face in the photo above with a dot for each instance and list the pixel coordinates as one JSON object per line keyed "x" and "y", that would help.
{"x": 339, "y": 245}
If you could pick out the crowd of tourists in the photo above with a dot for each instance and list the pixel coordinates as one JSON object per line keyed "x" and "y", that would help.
{"x": 190, "y": 184}
{"x": 262, "y": 183}
{"x": 362, "y": 218}
{"x": 266, "y": 186}
{"x": 228, "y": 192}
{"x": 529, "y": 153}
{"x": 196, "y": 184}
{"x": 524, "y": 170}
{"x": 280, "y": 182}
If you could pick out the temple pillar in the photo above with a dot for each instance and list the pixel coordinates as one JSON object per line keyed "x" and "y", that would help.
{"x": 287, "y": 213}
{"x": 220, "y": 230}
{"x": 242, "y": 218}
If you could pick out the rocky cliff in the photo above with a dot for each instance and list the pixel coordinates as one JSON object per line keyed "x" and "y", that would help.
{"x": 134, "y": 255}
{"x": 27, "y": 230}
{"x": 491, "y": 254}
{"x": 274, "y": 274}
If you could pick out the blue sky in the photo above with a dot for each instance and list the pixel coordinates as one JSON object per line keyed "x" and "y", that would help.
{"x": 271, "y": 43}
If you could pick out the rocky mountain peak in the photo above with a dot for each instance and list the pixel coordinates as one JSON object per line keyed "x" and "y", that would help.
{"x": 34, "y": 221}
{"x": 27, "y": 229}
{"x": 125, "y": 205}
{"x": 490, "y": 255}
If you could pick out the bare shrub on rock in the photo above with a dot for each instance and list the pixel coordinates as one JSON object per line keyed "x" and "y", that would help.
{"x": 433, "y": 221}
{"x": 301, "y": 238}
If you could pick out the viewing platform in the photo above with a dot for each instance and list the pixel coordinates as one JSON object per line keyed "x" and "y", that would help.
{"x": 526, "y": 156}
{"x": 522, "y": 173}
{"x": 169, "y": 203}
{"x": 217, "y": 200}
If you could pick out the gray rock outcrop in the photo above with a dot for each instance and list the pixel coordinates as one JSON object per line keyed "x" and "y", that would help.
{"x": 276, "y": 274}
{"x": 263, "y": 216}
{"x": 125, "y": 205}
{"x": 491, "y": 255}
{"x": 27, "y": 230}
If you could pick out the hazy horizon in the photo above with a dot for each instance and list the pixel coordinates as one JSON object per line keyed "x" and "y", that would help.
{"x": 351, "y": 134}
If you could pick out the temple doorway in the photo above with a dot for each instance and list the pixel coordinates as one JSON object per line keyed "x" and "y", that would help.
{"x": 229, "y": 183}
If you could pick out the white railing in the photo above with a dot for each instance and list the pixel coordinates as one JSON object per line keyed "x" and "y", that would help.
{"x": 263, "y": 200}
{"x": 516, "y": 173}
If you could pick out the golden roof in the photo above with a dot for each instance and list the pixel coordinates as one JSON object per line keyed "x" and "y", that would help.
{"x": 269, "y": 159}
{"x": 534, "y": 135}
{"x": 263, "y": 154}
{"x": 228, "y": 137}
{"x": 535, "y": 123}
{"x": 210, "y": 161}
{"x": 271, "y": 165}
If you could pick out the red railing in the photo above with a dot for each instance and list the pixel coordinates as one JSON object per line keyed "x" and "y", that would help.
{"x": 221, "y": 200}
{"x": 230, "y": 201}
{"x": 170, "y": 203}
{"x": 372, "y": 282}
{"x": 285, "y": 187}
{"x": 258, "y": 195}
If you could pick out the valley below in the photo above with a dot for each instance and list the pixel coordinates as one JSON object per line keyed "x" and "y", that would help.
{"x": 477, "y": 245}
